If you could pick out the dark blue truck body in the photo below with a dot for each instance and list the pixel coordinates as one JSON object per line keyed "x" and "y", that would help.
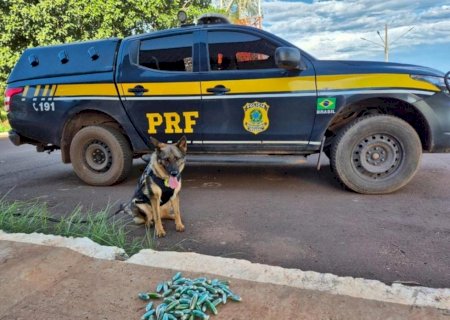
{"x": 220, "y": 85}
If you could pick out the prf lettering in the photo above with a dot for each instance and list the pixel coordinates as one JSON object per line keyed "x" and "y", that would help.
{"x": 172, "y": 121}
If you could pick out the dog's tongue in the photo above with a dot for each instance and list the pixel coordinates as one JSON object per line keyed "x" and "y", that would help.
{"x": 173, "y": 182}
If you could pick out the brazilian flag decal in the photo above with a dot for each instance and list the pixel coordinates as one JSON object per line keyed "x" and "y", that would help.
{"x": 326, "y": 105}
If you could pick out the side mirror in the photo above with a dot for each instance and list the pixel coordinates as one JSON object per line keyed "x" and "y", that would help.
{"x": 288, "y": 58}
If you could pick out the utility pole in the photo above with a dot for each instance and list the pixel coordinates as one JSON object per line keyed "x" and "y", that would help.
{"x": 385, "y": 42}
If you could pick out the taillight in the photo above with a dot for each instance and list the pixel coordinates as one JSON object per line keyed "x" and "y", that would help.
{"x": 9, "y": 93}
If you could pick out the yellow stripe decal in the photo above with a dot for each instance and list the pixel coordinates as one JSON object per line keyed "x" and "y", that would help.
{"x": 375, "y": 80}
{"x": 36, "y": 91}
{"x": 25, "y": 91}
{"x": 52, "y": 91}
{"x": 88, "y": 89}
{"x": 235, "y": 86}
{"x": 324, "y": 83}
{"x": 164, "y": 88}
{"x": 45, "y": 90}
{"x": 287, "y": 84}
{"x": 120, "y": 88}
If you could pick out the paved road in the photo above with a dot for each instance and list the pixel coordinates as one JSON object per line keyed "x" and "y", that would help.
{"x": 280, "y": 214}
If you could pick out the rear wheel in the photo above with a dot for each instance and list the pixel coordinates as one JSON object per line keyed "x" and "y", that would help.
{"x": 101, "y": 155}
{"x": 376, "y": 154}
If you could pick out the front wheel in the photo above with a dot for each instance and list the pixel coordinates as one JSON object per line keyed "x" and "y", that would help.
{"x": 376, "y": 154}
{"x": 101, "y": 155}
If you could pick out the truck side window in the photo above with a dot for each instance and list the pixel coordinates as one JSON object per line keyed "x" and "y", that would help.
{"x": 172, "y": 53}
{"x": 239, "y": 51}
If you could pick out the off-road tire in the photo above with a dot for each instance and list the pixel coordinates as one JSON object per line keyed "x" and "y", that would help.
{"x": 101, "y": 155}
{"x": 376, "y": 154}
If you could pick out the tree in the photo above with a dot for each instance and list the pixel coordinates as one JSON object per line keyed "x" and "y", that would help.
{"x": 31, "y": 23}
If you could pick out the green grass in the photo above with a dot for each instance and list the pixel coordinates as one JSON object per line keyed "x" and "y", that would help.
{"x": 29, "y": 217}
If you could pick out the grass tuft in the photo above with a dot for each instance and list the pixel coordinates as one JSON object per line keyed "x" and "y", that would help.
{"x": 101, "y": 227}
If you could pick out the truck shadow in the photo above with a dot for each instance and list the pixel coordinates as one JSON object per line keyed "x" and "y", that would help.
{"x": 236, "y": 174}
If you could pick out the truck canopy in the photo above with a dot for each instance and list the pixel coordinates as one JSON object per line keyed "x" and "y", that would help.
{"x": 65, "y": 60}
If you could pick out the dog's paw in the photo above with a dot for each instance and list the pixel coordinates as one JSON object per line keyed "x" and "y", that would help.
{"x": 180, "y": 227}
{"x": 160, "y": 233}
{"x": 138, "y": 220}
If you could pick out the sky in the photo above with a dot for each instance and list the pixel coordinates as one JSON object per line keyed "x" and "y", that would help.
{"x": 332, "y": 29}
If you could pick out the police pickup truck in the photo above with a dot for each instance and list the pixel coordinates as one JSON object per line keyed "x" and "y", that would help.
{"x": 231, "y": 90}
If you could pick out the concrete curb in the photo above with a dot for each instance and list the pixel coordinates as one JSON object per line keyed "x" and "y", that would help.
{"x": 245, "y": 270}
{"x": 82, "y": 245}
{"x": 3, "y": 135}
{"x": 309, "y": 280}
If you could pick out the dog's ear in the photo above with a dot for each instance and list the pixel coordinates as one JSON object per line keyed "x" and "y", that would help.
{"x": 182, "y": 144}
{"x": 158, "y": 145}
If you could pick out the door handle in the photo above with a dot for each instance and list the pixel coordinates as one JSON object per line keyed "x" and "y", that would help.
{"x": 138, "y": 90}
{"x": 218, "y": 90}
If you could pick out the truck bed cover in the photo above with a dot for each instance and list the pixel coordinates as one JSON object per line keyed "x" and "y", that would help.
{"x": 66, "y": 59}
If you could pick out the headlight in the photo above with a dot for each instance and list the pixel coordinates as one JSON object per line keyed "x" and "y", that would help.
{"x": 437, "y": 81}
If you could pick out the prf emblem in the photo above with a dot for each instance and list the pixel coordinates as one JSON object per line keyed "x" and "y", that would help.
{"x": 256, "y": 117}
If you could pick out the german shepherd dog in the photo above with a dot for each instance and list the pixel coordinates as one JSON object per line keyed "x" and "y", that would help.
{"x": 156, "y": 196}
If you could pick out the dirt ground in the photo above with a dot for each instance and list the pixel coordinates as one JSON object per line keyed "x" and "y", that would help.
{"x": 47, "y": 283}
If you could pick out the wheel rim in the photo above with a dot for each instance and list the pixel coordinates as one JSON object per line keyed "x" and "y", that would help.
{"x": 377, "y": 156}
{"x": 98, "y": 156}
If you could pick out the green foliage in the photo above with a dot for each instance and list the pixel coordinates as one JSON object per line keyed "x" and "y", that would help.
{"x": 4, "y": 126}
{"x": 31, "y": 23}
{"x": 2, "y": 114}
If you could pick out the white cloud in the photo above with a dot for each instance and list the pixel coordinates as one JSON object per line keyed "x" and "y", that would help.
{"x": 333, "y": 29}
